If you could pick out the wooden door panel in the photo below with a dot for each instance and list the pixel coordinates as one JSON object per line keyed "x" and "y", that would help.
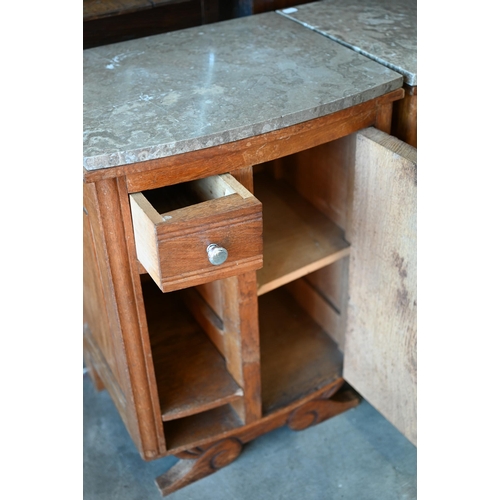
{"x": 380, "y": 351}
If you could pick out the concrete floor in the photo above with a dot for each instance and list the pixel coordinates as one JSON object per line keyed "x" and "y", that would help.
{"x": 357, "y": 455}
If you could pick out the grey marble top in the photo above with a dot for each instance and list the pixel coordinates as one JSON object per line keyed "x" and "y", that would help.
{"x": 383, "y": 30}
{"x": 191, "y": 89}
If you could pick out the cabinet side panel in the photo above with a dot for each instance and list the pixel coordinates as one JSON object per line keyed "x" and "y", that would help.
{"x": 380, "y": 350}
{"x": 97, "y": 309}
{"x": 118, "y": 352}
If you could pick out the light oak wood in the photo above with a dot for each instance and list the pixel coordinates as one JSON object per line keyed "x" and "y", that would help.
{"x": 172, "y": 246}
{"x": 185, "y": 472}
{"x": 323, "y": 312}
{"x": 297, "y": 356}
{"x": 298, "y": 239}
{"x": 191, "y": 374}
{"x": 206, "y": 317}
{"x": 404, "y": 122}
{"x": 187, "y": 434}
{"x": 207, "y": 457}
{"x": 123, "y": 342}
{"x": 236, "y": 336}
{"x": 380, "y": 351}
{"x": 241, "y": 333}
{"x": 200, "y": 369}
{"x": 331, "y": 284}
{"x": 320, "y": 176}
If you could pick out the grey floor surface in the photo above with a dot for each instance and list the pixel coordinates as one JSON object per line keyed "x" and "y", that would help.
{"x": 357, "y": 455}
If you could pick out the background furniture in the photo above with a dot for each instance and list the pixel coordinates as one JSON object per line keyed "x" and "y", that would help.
{"x": 254, "y": 135}
{"x": 111, "y": 21}
{"x": 385, "y": 31}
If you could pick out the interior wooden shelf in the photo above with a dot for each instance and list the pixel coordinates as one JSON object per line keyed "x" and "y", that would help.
{"x": 298, "y": 239}
{"x": 190, "y": 373}
{"x": 185, "y": 431}
{"x": 297, "y": 356}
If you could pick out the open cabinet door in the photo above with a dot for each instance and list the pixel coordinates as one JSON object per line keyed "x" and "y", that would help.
{"x": 381, "y": 338}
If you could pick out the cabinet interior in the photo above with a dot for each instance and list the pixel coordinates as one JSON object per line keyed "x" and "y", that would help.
{"x": 302, "y": 301}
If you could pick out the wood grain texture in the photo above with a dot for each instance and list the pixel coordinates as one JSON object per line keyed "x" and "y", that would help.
{"x": 98, "y": 363}
{"x": 232, "y": 156}
{"x": 318, "y": 307}
{"x": 118, "y": 237}
{"x": 203, "y": 429}
{"x": 384, "y": 117}
{"x": 210, "y": 322}
{"x": 202, "y": 461}
{"x": 320, "y": 175}
{"x": 99, "y": 314}
{"x": 297, "y": 356}
{"x": 191, "y": 373}
{"x": 298, "y": 239}
{"x": 212, "y": 459}
{"x": 404, "y": 122}
{"x": 245, "y": 177}
{"x": 380, "y": 351}
{"x": 172, "y": 246}
{"x": 331, "y": 284}
{"x": 241, "y": 342}
{"x": 125, "y": 342}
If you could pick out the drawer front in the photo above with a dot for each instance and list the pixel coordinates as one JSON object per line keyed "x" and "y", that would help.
{"x": 183, "y": 247}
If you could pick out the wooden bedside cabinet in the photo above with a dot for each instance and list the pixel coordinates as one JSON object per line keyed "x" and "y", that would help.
{"x": 248, "y": 237}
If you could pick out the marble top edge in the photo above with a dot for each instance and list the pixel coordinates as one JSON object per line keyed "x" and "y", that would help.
{"x": 385, "y": 31}
{"x": 192, "y": 89}
{"x": 184, "y": 146}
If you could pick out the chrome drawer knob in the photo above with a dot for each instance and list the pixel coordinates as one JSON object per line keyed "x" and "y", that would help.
{"x": 216, "y": 255}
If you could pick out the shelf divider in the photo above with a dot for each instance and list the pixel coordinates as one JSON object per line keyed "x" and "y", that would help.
{"x": 191, "y": 374}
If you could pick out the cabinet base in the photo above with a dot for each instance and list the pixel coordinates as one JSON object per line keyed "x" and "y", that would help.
{"x": 202, "y": 461}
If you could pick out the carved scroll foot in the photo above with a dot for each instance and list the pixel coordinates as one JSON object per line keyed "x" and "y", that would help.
{"x": 198, "y": 463}
{"x": 318, "y": 410}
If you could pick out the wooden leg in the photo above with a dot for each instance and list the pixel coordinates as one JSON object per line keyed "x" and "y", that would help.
{"x": 201, "y": 463}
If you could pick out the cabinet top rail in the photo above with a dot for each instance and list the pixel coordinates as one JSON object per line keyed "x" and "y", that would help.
{"x": 192, "y": 89}
{"x": 385, "y": 30}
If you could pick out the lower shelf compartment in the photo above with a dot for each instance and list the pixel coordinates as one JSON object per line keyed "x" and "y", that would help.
{"x": 297, "y": 356}
{"x": 190, "y": 430}
{"x": 191, "y": 374}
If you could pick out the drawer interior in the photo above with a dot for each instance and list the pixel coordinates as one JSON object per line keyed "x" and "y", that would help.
{"x": 169, "y": 198}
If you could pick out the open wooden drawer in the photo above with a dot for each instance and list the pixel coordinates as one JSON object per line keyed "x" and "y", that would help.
{"x": 196, "y": 232}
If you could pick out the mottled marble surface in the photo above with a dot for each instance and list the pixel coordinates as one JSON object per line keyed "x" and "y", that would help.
{"x": 200, "y": 87}
{"x": 384, "y": 30}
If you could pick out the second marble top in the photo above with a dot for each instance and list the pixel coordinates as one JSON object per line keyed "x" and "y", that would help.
{"x": 384, "y": 30}
{"x": 191, "y": 89}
